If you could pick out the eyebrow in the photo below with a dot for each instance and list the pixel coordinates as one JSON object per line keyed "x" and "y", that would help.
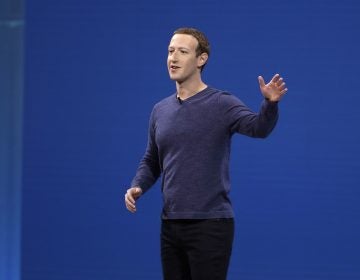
{"x": 180, "y": 48}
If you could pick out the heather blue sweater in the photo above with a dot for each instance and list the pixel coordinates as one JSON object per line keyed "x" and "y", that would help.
{"x": 189, "y": 146}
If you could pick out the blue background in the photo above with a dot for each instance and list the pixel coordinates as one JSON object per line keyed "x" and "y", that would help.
{"x": 93, "y": 71}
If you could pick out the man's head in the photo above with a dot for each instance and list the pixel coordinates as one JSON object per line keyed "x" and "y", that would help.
{"x": 203, "y": 43}
{"x": 188, "y": 53}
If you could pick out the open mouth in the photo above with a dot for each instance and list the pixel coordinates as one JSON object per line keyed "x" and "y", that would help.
{"x": 174, "y": 67}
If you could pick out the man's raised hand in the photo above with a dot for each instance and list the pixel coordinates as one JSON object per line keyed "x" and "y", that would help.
{"x": 274, "y": 90}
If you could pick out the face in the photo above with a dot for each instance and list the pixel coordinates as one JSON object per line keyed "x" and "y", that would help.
{"x": 182, "y": 62}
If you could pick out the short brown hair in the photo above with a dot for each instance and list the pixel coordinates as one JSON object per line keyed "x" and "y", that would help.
{"x": 203, "y": 43}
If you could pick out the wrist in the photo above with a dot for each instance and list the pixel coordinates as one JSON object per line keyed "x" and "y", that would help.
{"x": 272, "y": 100}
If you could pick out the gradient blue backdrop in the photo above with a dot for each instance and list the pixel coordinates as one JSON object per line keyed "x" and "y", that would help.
{"x": 93, "y": 71}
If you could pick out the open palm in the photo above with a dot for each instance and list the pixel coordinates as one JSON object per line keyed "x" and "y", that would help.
{"x": 274, "y": 90}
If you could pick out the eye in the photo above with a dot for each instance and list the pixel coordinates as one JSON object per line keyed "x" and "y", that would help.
{"x": 183, "y": 51}
{"x": 170, "y": 51}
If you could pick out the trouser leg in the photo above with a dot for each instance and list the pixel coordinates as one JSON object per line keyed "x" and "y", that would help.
{"x": 209, "y": 247}
{"x": 196, "y": 249}
{"x": 175, "y": 263}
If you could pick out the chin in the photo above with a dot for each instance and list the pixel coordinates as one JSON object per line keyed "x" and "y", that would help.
{"x": 174, "y": 78}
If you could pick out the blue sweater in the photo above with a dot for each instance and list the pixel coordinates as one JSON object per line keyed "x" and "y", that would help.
{"x": 189, "y": 146}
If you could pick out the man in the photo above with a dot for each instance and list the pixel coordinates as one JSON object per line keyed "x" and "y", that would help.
{"x": 189, "y": 145}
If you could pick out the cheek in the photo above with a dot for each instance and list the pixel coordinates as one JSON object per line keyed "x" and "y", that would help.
{"x": 193, "y": 63}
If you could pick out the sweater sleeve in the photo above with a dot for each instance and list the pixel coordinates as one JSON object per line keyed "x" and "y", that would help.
{"x": 149, "y": 168}
{"x": 239, "y": 118}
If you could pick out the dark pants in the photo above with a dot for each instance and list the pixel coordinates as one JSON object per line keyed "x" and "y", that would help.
{"x": 196, "y": 249}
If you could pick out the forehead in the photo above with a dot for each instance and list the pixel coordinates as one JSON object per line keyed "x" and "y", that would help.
{"x": 183, "y": 41}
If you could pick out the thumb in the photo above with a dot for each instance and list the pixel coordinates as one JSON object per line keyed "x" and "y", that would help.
{"x": 137, "y": 191}
{"x": 261, "y": 81}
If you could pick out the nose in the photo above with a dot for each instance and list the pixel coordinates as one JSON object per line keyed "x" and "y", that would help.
{"x": 173, "y": 57}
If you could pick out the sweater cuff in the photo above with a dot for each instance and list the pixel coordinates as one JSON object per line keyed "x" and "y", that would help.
{"x": 141, "y": 185}
{"x": 271, "y": 102}
{"x": 270, "y": 107}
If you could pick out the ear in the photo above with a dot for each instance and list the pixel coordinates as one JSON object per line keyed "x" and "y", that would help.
{"x": 202, "y": 59}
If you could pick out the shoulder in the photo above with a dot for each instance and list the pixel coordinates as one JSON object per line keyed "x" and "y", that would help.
{"x": 225, "y": 98}
{"x": 165, "y": 104}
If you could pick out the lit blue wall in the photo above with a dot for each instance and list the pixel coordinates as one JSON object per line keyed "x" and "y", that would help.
{"x": 94, "y": 69}
{"x": 11, "y": 94}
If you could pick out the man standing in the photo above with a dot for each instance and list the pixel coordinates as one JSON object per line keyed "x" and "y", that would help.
{"x": 189, "y": 146}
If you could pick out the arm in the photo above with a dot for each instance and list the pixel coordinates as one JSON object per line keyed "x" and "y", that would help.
{"x": 242, "y": 120}
{"x": 147, "y": 173}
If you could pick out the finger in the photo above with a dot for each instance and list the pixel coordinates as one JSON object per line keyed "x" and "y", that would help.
{"x": 279, "y": 82}
{"x": 131, "y": 208}
{"x": 261, "y": 81}
{"x": 129, "y": 196}
{"x": 283, "y": 91}
{"x": 282, "y": 86}
{"x": 129, "y": 199}
{"x": 128, "y": 203}
{"x": 275, "y": 78}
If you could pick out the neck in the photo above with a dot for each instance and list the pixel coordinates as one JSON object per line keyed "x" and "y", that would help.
{"x": 187, "y": 89}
